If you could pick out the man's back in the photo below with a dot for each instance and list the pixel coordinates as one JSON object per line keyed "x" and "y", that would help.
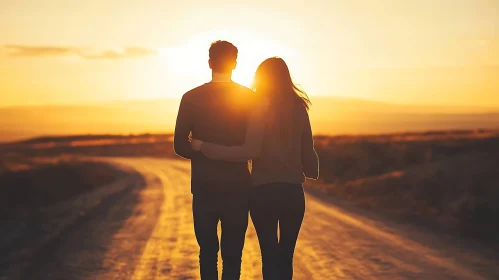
{"x": 215, "y": 112}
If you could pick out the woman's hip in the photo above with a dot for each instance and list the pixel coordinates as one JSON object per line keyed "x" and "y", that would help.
{"x": 278, "y": 196}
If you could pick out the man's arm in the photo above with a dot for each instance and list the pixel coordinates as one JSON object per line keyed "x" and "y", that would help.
{"x": 183, "y": 127}
{"x": 252, "y": 145}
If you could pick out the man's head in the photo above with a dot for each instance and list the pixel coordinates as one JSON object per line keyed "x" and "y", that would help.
{"x": 223, "y": 57}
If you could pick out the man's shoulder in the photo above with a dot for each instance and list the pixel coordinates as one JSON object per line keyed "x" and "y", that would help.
{"x": 233, "y": 88}
{"x": 243, "y": 90}
{"x": 194, "y": 92}
{"x": 244, "y": 96}
{"x": 241, "y": 87}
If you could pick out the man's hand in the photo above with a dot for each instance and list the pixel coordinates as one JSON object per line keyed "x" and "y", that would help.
{"x": 196, "y": 144}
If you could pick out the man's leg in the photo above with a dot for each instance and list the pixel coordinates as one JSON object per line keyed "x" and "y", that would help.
{"x": 205, "y": 227}
{"x": 263, "y": 210}
{"x": 234, "y": 219}
{"x": 292, "y": 210}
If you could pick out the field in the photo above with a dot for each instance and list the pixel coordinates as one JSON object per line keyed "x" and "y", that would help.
{"x": 37, "y": 173}
{"x": 31, "y": 184}
{"x": 119, "y": 207}
{"x": 443, "y": 180}
{"x": 447, "y": 180}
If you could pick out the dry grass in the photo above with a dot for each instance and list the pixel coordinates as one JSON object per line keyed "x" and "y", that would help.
{"x": 145, "y": 145}
{"x": 448, "y": 180}
{"x": 43, "y": 171}
{"x": 29, "y": 184}
{"x": 445, "y": 179}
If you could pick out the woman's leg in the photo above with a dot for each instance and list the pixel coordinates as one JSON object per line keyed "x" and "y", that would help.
{"x": 292, "y": 210}
{"x": 263, "y": 212}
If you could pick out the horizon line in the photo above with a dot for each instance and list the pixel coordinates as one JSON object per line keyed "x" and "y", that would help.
{"x": 321, "y": 96}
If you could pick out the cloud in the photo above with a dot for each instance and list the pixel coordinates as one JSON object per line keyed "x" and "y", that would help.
{"x": 44, "y": 51}
{"x": 35, "y": 51}
{"x": 129, "y": 52}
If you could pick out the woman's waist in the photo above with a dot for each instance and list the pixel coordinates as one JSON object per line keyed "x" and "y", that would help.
{"x": 262, "y": 178}
{"x": 272, "y": 166}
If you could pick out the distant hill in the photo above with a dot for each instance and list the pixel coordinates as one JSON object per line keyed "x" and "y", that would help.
{"x": 329, "y": 115}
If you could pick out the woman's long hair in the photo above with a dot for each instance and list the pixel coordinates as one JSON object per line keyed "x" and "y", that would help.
{"x": 273, "y": 83}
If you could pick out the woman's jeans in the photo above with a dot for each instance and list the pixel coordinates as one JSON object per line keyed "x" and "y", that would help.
{"x": 272, "y": 205}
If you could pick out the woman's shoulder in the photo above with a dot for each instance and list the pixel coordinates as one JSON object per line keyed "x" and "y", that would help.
{"x": 261, "y": 109}
{"x": 300, "y": 110}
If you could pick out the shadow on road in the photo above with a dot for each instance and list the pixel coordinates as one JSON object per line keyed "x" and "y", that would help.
{"x": 70, "y": 240}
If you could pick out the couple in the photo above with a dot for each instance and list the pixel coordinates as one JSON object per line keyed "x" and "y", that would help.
{"x": 231, "y": 125}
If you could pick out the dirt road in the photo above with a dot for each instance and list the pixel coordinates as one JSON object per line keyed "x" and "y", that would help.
{"x": 141, "y": 228}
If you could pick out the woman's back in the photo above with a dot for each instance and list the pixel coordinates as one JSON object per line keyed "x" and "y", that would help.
{"x": 286, "y": 157}
{"x": 278, "y": 136}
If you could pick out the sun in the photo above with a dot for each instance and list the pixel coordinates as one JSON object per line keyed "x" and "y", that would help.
{"x": 189, "y": 61}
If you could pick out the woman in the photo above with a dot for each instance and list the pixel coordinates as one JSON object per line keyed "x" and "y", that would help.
{"x": 279, "y": 142}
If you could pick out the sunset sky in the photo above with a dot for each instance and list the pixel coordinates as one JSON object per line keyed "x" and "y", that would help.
{"x": 404, "y": 51}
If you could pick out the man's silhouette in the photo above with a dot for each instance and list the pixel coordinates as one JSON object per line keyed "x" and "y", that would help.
{"x": 217, "y": 112}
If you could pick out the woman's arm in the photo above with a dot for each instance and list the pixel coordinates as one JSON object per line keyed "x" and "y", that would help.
{"x": 309, "y": 158}
{"x": 252, "y": 145}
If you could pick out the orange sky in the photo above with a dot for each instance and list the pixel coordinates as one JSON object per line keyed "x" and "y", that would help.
{"x": 424, "y": 52}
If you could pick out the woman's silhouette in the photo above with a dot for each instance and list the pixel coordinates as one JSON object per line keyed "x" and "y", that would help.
{"x": 279, "y": 142}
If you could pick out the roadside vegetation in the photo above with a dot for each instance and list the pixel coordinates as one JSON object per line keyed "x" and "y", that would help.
{"x": 447, "y": 180}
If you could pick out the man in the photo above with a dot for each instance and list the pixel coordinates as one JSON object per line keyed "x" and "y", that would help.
{"x": 217, "y": 112}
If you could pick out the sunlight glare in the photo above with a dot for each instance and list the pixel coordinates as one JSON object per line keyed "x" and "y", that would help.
{"x": 190, "y": 60}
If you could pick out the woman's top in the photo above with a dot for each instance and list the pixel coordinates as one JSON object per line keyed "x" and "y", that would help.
{"x": 275, "y": 159}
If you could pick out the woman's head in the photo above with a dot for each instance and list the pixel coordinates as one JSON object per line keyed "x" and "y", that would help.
{"x": 273, "y": 81}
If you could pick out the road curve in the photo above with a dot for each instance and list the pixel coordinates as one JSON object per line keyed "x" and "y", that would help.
{"x": 145, "y": 231}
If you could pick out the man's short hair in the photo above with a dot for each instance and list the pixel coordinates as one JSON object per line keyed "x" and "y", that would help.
{"x": 223, "y": 56}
